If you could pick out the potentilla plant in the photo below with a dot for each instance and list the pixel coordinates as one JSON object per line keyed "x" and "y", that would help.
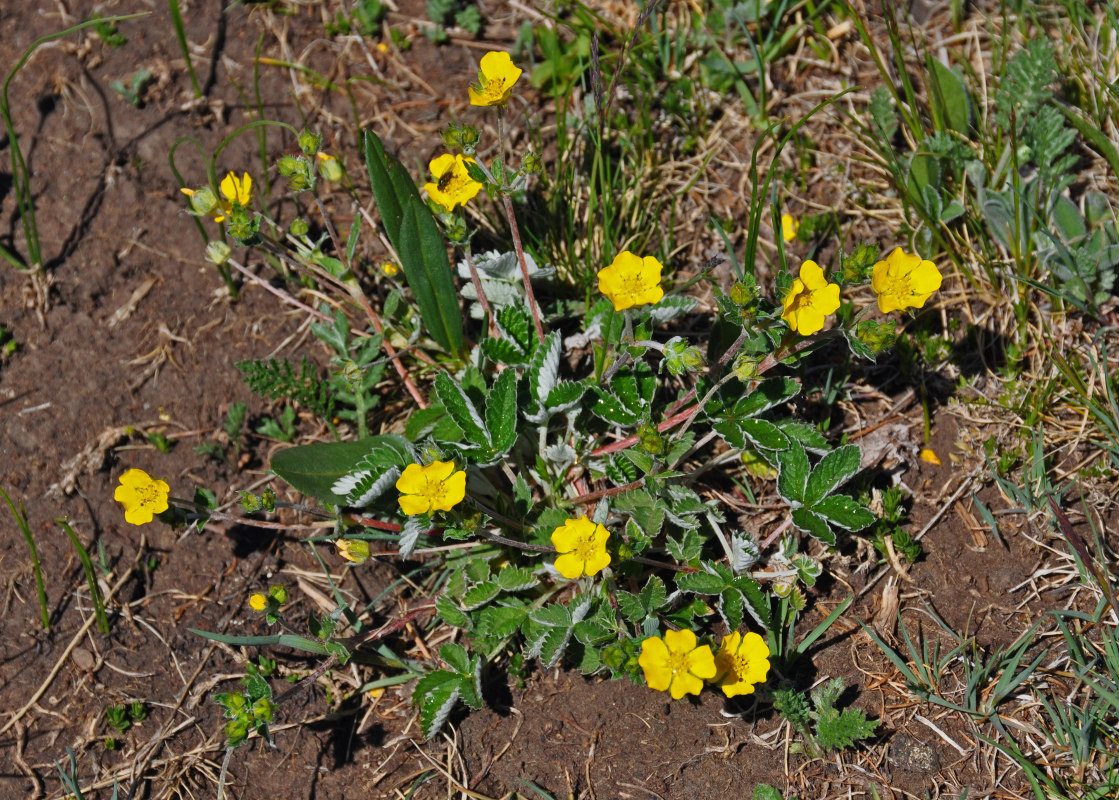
{"x": 575, "y": 464}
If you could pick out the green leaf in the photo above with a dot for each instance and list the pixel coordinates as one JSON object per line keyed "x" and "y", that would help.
{"x": 423, "y": 259}
{"x": 757, "y": 601}
{"x": 391, "y": 184}
{"x": 792, "y": 478}
{"x": 564, "y": 396}
{"x": 504, "y": 351}
{"x": 436, "y": 694}
{"x": 700, "y": 583}
{"x": 450, "y": 613}
{"x": 844, "y": 512}
{"x": 653, "y": 595}
{"x": 808, "y": 436}
{"x": 770, "y": 392}
{"x": 814, "y": 524}
{"x": 456, "y": 657}
{"x": 748, "y": 434}
{"x": 730, "y": 605}
{"x": 764, "y": 791}
{"x": 517, "y": 325}
{"x": 647, "y": 512}
{"x": 462, "y": 410}
{"x": 314, "y": 468}
{"x": 497, "y": 623}
{"x": 687, "y": 547}
{"x": 950, "y": 96}
{"x": 610, "y": 408}
{"x": 501, "y": 412}
{"x": 631, "y": 606}
{"x": 832, "y": 472}
{"x": 480, "y": 594}
{"x": 515, "y": 579}
{"x": 543, "y": 368}
{"x": 593, "y": 633}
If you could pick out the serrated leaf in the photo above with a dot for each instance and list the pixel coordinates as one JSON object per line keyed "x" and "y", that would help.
{"x": 769, "y": 393}
{"x": 812, "y": 439}
{"x": 592, "y": 632}
{"x": 700, "y": 583}
{"x": 813, "y": 524}
{"x": 844, "y": 512}
{"x": 480, "y": 594}
{"x": 553, "y": 615}
{"x": 515, "y": 579}
{"x": 745, "y": 552}
{"x": 436, "y": 694}
{"x": 672, "y": 306}
{"x": 631, "y": 606}
{"x": 553, "y": 644}
{"x": 757, "y": 602}
{"x": 461, "y": 409}
{"x": 653, "y": 595}
{"x": 858, "y": 346}
{"x": 687, "y": 547}
{"x": 832, "y": 472}
{"x": 314, "y": 468}
{"x": 730, "y": 606}
{"x": 645, "y": 511}
{"x": 612, "y": 409}
{"x": 450, "y": 613}
{"x": 499, "y": 622}
{"x": 792, "y": 476}
{"x": 456, "y": 657}
{"x": 763, "y": 434}
{"x": 501, "y": 412}
{"x": 515, "y": 322}
{"x": 543, "y": 368}
{"x": 564, "y": 396}
{"x": 410, "y": 534}
{"x": 367, "y": 486}
{"x": 504, "y": 351}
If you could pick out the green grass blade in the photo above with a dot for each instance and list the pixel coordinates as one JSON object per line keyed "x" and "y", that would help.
{"x": 90, "y": 576}
{"x": 25, "y": 529}
{"x": 180, "y": 34}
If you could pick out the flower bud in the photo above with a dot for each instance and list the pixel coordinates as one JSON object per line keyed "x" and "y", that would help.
{"x": 203, "y": 201}
{"x": 355, "y": 550}
{"x": 746, "y": 366}
{"x": 299, "y": 227}
{"x": 329, "y": 168}
{"x": 680, "y": 357}
{"x": 218, "y": 252}
{"x": 309, "y": 142}
{"x": 288, "y": 165}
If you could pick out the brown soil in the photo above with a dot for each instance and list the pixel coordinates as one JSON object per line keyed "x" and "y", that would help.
{"x": 133, "y": 335}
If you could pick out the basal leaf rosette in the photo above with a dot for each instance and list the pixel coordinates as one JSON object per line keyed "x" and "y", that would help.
{"x": 425, "y": 489}
{"x": 741, "y": 663}
{"x": 631, "y": 281}
{"x": 582, "y": 548}
{"x": 810, "y": 300}
{"x": 142, "y": 496}
{"x": 904, "y": 280}
{"x": 675, "y": 664}
{"x": 496, "y": 76}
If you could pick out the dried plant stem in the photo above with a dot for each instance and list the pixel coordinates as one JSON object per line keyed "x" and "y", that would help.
{"x": 508, "y": 204}
{"x": 477, "y": 281}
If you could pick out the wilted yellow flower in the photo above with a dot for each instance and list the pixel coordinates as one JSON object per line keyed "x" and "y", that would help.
{"x": 904, "y": 280}
{"x": 741, "y": 663}
{"x": 258, "y": 602}
{"x": 631, "y": 281}
{"x": 435, "y": 487}
{"x": 582, "y": 547}
{"x": 329, "y": 167}
{"x": 142, "y": 496}
{"x": 789, "y": 227}
{"x": 675, "y": 665}
{"x": 453, "y": 185}
{"x": 929, "y": 455}
{"x": 810, "y": 300}
{"x": 496, "y": 77}
{"x": 355, "y": 550}
{"x": 389, "y": 268}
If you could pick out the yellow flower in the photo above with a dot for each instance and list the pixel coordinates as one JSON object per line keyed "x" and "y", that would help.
{"x": 582, "y": 547}
{"x": 435, "y": 487}
{"x": 929, "y": 455}
{"x": 675, "y": 665}
{"x": 234, "y": 192}
{"x": 742, "y": 662}
{"x": 258, "y": 602}
{"x": 142, "y": 496}
{"x": 631, "y": 281}
{"x": 789, "y": 227}
{"x": 355, "y": 550}
{"x": 330, "y": 169}
{"x": 389, "y": 268}
{"x": 496, "y": 77}
{"x": 453, "y": 185}
{"x": 904, "y": 281}
{"x": 810, "y": 300}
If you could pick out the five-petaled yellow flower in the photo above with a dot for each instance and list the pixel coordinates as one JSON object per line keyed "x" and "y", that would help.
{"x": 258, "y": 602}
{"x": 741, "y": 663}
{"x": 789, "y": 227}
{"x": 453, "y": 185}
{"x": 631, "y": 281}
{"x": 582, "y": 548}
{"x": 435, "y": 487}
{"x": 234, "y": 192}
{"x": 675, "y": 665}
{"x": 142, "y": 496}
{"x": 904, "y": 281}
{"x": 810, "y": 300}
{"x": 496, "y": 77}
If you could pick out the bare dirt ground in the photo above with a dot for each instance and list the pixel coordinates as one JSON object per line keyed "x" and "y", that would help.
{"x": 131, "y": 333}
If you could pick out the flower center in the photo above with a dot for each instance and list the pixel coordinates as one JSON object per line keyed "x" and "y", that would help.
{"x": 495, "y": 88}
{"x": 898, "y": 286}
{"x": 434, "y": 491}
{"x": 584, "y": 549}
{"x": 740, "y": 665}
{"x": 678, "y": 662}
{"x": 149, "y": 495}
{"x": 633, "y": 285}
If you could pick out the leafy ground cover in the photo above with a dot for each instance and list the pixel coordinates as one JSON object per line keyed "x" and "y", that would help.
{"x": 601, "y": 430}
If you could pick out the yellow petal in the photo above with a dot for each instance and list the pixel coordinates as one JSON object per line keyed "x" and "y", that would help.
{"x": 930, "y": 456}
{"x": 812, "y": 275}
{"x": 569, "y": 566}
{"x": 414, "y": 504}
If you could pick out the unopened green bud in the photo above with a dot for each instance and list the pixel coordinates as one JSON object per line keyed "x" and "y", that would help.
{"x": 278, "y": 593}
{"x": 309, "y": 142}
{"x": 218, "y": 252}
{"x": 203, "y": 201}
{"x": 680, "y": 357}
{"x": 288, "y": 165}
{"x": 531, "y": 162}
{"x": 650, "y": 440}
{"x": 262, "y": 710}
{"x": 746, "y": 366}
{"x": 877, "y": 336}
{"x": 299, "y": 227}
{"x": 743, "y": 293}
